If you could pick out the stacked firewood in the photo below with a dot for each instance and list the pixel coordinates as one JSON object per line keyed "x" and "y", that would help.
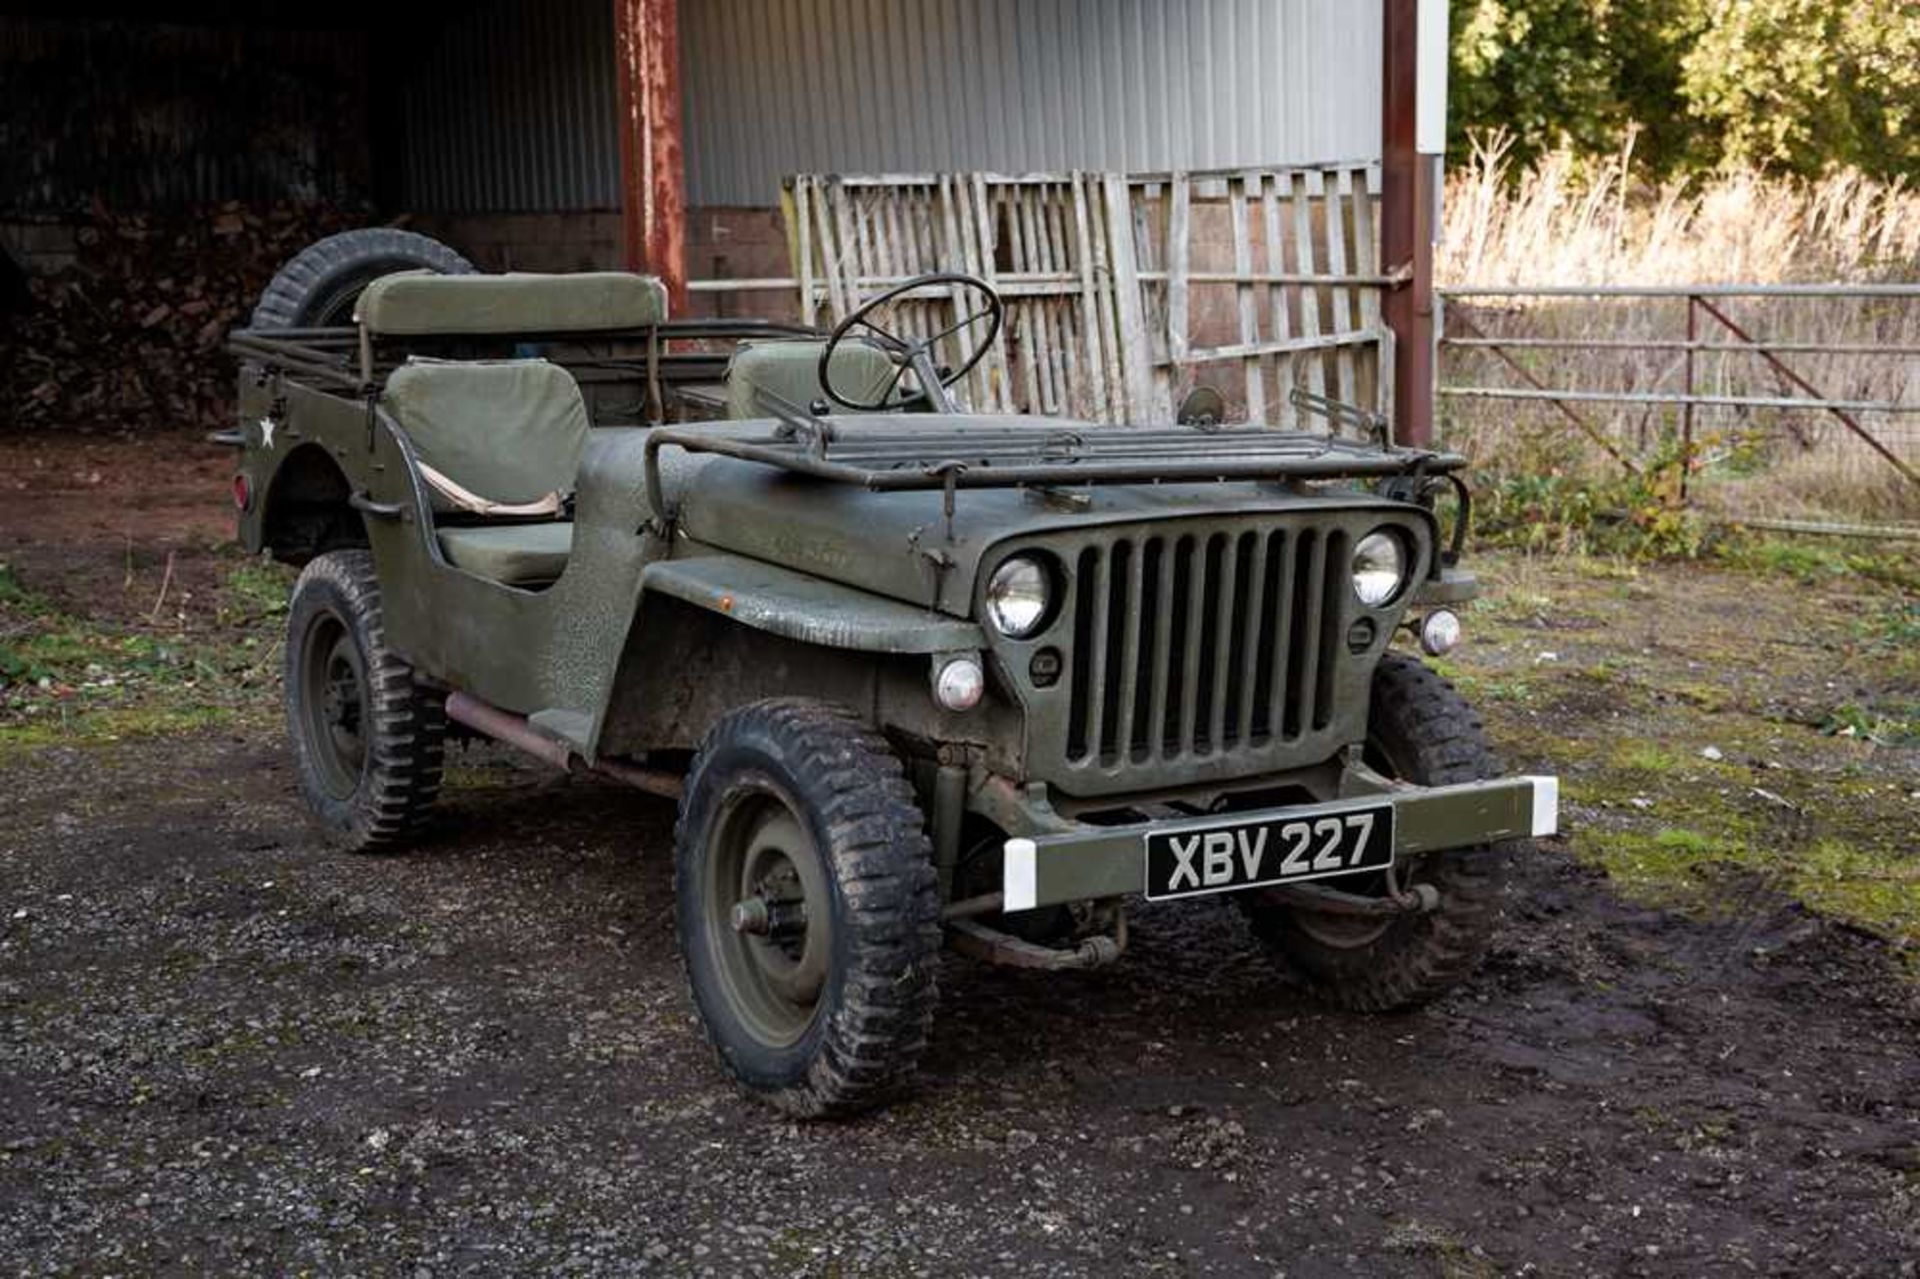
{"x": 131, "y": 336}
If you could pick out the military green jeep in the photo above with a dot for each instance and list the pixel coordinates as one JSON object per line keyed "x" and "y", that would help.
{"x": 918, "y": 677}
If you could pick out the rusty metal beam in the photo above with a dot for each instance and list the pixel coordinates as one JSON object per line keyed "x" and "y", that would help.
{"x": 653, "y": 191}
{"x": 1406, "y": 226}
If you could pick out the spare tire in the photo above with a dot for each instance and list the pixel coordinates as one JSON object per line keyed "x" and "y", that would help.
{"x": 319, "y": 286}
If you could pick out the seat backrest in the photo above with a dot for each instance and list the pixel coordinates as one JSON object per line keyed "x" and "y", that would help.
{"x": 422, "y": 303}
{"x": 790, "y": 369}
{"x": 510, "y": 431}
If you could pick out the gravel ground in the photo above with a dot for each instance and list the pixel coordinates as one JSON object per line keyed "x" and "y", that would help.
{"x": 225, "y": 1048}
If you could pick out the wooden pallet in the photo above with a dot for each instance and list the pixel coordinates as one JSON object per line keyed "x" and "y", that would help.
{"x": 1105, "y": 275}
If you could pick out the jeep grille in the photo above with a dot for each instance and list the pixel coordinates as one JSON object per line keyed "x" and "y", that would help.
{"x": 1203, "y": 650}
{"x": 1201, "y": 643}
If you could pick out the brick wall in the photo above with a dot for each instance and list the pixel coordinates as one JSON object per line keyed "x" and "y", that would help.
{"x": 740, "y": 244}
{"x": 722, "y": 243}
{"x": 38, "y": 245}
{"x": 586, "y": 241}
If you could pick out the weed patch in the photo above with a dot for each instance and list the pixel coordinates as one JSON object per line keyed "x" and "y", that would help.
{"x": 258, "y": 588}
{"x": 1892, "y": 724}
{"x": 71, "y": 679}
{"x": 1752, "y": 750}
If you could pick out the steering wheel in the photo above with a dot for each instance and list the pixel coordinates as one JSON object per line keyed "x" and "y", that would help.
{"x": 915, "y": 353}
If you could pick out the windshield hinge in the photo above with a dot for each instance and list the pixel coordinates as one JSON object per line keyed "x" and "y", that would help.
{"x": 1374, "y": 426}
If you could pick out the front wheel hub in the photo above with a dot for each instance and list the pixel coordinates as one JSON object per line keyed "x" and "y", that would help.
{"x": 751, "y": 916}
{"x": 772, "y": 917}
{"x": 773, "y": 938}
{"x": 333, "y": 694}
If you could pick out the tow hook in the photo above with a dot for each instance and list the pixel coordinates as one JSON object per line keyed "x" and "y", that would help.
{"x": 1421, "y": 899}
{"x": 977, "y": 941}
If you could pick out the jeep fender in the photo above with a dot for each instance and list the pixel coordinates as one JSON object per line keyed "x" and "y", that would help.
{"x": 713, "y": 632}
{"x": 770, "y": 598}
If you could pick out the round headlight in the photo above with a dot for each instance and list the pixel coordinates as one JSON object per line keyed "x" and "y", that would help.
{"x": 1379, "y": 567}
{"x": 1017, "y": 597}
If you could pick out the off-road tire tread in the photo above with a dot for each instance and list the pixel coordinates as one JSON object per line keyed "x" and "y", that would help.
{"x": 882, "y": 861}
{"x": 408, "y": 746}
{"x": 315, "y": 273}
{"x": 1424, "y": 956}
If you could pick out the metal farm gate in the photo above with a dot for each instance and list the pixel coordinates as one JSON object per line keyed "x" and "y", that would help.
{"x": 1123, "y": 291}
{"x": 1782, "y": 406}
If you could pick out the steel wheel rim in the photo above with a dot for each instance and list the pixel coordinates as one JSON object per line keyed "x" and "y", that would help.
{"x": 333, "y": 687}
{"x": 760, "y": 850}
{"x": 1356, "y": 932}
{"x": 336, "y": 306}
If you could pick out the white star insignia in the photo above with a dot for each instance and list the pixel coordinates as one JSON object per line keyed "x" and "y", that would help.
{"x": 266, "y": 432}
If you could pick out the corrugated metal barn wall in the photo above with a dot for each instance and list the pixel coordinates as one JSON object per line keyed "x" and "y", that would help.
{"x": 142, "y": 114}
{"x": 510, "y": 107}
{"x": 782, "y": 86}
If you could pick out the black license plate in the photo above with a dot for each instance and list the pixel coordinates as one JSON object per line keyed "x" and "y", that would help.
{"x": 1220, "y": 857}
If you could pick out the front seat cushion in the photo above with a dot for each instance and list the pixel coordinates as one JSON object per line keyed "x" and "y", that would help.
{"x": 789, "y": 369}
{"x": 508, "y": 432}
{"x": 514, "y": 554}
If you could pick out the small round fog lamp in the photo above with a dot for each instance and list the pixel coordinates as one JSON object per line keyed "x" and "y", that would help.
{"x": 959, "y": 684}
{"x": 1440, "y": 632}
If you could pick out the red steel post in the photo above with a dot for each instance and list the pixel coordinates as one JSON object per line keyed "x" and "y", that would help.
{"x": 653, "y": 192}
{"x": 1406, "y": 226}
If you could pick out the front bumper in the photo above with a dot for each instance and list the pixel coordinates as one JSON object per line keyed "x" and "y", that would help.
{"x": 1110, "y": 861}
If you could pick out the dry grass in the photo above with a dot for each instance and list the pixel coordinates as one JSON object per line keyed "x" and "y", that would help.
{"x": 1573, "y": 222}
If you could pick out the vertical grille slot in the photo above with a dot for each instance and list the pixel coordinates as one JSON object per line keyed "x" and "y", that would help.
{"x": 1191, "y": 596}
{"x": 1086, "y": 607}
{"x": 1131, "y": 573}
{"x": 1156, "y": 621}
{"x": 1335, "y": 586}
{"x": 1301, "y": 658}
{"x": 1195, "y": 644}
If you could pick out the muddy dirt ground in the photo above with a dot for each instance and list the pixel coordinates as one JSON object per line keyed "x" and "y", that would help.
{"x": 226, "y": 1049}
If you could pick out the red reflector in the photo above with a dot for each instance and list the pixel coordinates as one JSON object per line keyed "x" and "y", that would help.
{"x": 242, "y": 493}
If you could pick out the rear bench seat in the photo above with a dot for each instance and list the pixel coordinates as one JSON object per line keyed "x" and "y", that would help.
{"x": 422, "y": 304}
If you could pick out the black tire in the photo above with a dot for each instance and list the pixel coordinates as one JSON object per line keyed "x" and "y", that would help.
{"x": 319, "y": 285}
{"x": 368, "y": 742}
{"x": 788, "y": 802}
{"x": 1419, "y": 729}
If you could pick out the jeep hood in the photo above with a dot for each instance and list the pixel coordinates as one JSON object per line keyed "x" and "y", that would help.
{"x": 894, "y": 544}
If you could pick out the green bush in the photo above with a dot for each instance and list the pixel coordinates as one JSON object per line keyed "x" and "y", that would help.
{"x": 1797, "y": 85}
{"x": 1535, "y": 500}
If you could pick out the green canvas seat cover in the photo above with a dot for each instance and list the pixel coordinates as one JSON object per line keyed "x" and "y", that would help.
{"x": 790, "y": 369}
{"x": 509, "y": 431}
{"x": 414, "y": 303}
{"x": 516, "y": 554}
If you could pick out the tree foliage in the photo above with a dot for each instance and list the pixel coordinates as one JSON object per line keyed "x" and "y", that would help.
{"x": 1798, "y": 85}
{"x": 1803, "y": 84}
